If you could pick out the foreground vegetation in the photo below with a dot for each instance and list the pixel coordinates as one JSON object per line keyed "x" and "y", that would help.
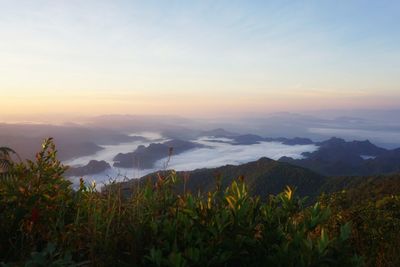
{"x": 44, "y": 222}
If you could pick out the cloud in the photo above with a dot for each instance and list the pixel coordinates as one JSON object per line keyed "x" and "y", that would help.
{"x": 219, "y": 154}
{"x": 215, "y": 154}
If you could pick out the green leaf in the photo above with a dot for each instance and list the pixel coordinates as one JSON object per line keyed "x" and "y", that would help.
{"x": 345, "y": 231}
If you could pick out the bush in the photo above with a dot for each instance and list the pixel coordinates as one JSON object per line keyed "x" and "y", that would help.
{"x": 375, "y": 223}
{"x": 35, "y": 202}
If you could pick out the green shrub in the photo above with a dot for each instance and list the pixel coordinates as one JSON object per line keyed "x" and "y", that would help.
{"x": 375, "y": 223}
{"x": 35, "y": 203}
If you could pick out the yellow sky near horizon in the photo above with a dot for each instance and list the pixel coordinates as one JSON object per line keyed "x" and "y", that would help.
{"x": 188, "y": 104}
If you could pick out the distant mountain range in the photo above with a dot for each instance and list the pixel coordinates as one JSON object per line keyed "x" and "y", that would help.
{"x": 334, "y": 157}
{"x": 250, "y": 139}
{"x": 144, "y": 157}
{"x": 338, "y": 157}
{"x": 72, "y": 140}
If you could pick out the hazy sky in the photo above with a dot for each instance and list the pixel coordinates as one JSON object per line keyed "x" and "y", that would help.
{"x": 197, "y": 57}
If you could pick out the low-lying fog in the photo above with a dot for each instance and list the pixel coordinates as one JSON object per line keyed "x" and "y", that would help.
{"x": 218, "y": 152}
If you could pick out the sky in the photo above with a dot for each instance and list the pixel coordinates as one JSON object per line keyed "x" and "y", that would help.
{"x": 197, "y": 58}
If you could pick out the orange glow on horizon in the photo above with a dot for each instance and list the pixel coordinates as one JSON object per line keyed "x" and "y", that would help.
{"x": 185, "y": 104}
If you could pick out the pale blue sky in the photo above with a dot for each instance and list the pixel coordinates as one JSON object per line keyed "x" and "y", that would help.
{"x": 164, "y": 56}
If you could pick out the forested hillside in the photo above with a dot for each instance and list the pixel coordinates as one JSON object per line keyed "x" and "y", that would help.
{"x": 263, "y": 177}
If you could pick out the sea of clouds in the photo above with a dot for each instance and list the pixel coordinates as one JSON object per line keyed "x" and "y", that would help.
{"x": 217, "y": 152}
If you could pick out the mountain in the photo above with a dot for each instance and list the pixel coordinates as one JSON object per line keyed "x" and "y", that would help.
{"x": 67, "y": 148}
{"x": 145, "y": 157}
{"x": 72, "y": 140}
{"x": 218, "y": 132}
{"x": 337, "y": 157}
{"x": 263, "y": 177}
{"x": 250, "y": 139}
{"x": 247, "y": 139}
{"x": 364, "y": 187}
{"x": 266, "y": 176}
{"x": 357, "y": 147}
{"x": 388, "y": 162}
{"x": 291, "y": 141}
{"x": 93, "y": 167}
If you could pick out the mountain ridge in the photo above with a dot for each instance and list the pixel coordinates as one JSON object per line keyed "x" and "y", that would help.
{"x": 263, "y": 177}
